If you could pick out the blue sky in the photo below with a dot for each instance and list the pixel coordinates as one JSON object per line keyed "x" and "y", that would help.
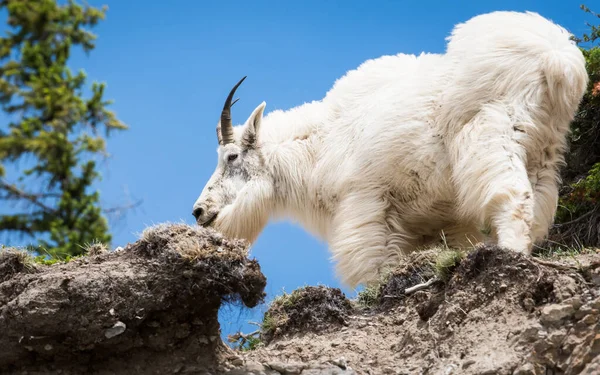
{"x": 169, "y": 66}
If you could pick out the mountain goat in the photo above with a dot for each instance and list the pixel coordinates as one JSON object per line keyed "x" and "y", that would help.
{"x": 405, "y": 148}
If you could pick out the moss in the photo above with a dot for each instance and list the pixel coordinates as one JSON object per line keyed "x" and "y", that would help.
{"x": 446, "y": 262}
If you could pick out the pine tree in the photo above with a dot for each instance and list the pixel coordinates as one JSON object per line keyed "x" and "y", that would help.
{"x": 52, "y": 128}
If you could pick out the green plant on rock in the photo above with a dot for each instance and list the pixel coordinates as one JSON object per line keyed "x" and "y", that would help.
{"x": 446, "y": 262}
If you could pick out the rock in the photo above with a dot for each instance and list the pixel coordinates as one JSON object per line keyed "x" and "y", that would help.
{"x": 287, "y": 368}
{"x": 583, "y": 311}
{"x": 557, "y": 337}
{"x": 341, "y": 363}
{"x": 203, "y": 339}
{"x": 526, "y": 369}
{"x": 115, "y": 330}
{"x": 553, "y": 314}
{"x": 589, "y": 319}
{"x": 532, "y": 333}
{"x": 565, "y": 287}
{"x": 528, "y": 304}
{"x": 237, "y": 361}
{"x": 250, "y": 368}
{"x": 576, "y": 302}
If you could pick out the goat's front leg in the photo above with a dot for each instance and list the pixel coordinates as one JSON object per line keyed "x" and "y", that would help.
{"x": 248, "y": 214}
{"x": 491, "y": 177}
{"x": 360, "y": 235}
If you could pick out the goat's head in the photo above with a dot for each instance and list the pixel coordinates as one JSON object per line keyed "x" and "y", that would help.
{"x": 240, "y": 161}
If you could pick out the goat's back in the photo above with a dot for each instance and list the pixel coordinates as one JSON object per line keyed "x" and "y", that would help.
{"x": 520, "y": 60}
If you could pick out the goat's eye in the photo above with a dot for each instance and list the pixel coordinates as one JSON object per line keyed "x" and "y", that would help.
{"x": 232, "y": 157}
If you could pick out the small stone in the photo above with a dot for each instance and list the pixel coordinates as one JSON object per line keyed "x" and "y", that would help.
{"x": 237, "y": 361}
{"x": 450, "y": 369}
{"x": 48, "y": 347}
{"x": 565, "y": 287}
{"x": 583, "y": 311}
{"x": 254, "y": 367}
{"x": 553, "y": 314}
{"x": 532, "y": 333}
{"x": 526, "y": 369}
{"x": 468, "y": 363}
{"x": 595, "y": 345}
{"x": 589, "y": 319}
{"x": 115, "y": 330}
{"x": 111, "y": 312}
{"x": 528, "y": 304}
{"x": 557, "y": 337}
{"x": 503, "y": 287}
{"x": 576, "y": 302}
{"x": 287, "y": 368}
{"x": 203, "y": 340}
{"x": 341, "y": 363}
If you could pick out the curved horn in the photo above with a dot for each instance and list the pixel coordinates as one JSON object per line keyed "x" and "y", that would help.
{"x": 225, "y": 127}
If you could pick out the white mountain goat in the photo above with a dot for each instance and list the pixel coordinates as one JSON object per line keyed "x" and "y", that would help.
{"x": 405, "y": 148}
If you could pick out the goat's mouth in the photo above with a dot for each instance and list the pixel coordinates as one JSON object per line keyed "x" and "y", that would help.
{"x": 208, "y": 222}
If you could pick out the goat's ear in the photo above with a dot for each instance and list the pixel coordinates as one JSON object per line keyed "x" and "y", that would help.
{"x": 252, "y": 127}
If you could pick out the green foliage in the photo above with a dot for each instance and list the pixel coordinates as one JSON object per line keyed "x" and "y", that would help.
{"x": 582, "y": 198}
{"x": 253, "y": 342}
{"x": 578, "y": 216}
{"x": 48, "y": 261}
{"x": 54, "y": 128}
{"x": 369, "y": 297}
{"x": 446, "y": 262}
{"x": 268, "y": 323}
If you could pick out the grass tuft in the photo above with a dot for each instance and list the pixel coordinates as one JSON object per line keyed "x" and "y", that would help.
{"x": 445, "y": 263}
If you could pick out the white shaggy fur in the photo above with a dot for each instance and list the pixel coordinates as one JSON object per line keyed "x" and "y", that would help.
{"x": 405, "y": 147}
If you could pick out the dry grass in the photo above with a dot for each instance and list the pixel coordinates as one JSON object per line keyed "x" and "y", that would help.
{"x": 193, "y": 242}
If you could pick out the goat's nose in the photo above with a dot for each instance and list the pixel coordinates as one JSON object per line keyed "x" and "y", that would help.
{"x": 198, "y": 212}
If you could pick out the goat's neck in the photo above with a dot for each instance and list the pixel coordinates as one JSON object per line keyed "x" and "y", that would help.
{"x": 291, "y": 165}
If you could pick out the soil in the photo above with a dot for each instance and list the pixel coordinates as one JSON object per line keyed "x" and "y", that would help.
{"x": 151, "y": 308}
{"x": 499, "y": 313}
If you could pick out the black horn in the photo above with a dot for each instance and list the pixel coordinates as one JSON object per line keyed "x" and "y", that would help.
{"x": 225, "y": 127}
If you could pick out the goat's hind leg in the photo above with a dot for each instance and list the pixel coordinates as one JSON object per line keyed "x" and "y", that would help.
{"x": 491, "y": 177}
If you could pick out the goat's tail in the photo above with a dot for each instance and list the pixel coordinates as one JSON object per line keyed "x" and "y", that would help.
{"x": 566, "y": 75}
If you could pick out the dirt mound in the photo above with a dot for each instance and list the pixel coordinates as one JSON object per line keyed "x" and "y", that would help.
{"x": 495, "y": 312}
{"x": 150, "y": 308}
{"x": 306, "y": 309}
